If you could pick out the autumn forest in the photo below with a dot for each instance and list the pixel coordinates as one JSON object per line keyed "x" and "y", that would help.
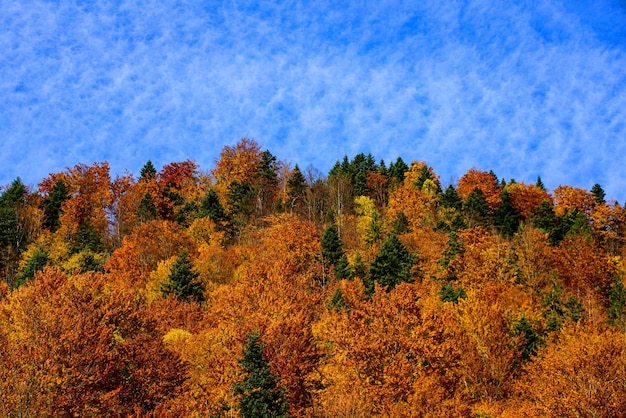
{"x": 256, "y": 288}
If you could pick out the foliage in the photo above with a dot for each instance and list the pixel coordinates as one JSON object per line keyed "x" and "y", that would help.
{"x": 182, "y": 281}
{"x": 260, "y": 396}
{"x": 516, "y": 305}
{"x": 393, "y": 265}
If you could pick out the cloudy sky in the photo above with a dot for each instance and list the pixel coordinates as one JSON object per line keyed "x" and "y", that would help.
{"x": 523, "y": 88}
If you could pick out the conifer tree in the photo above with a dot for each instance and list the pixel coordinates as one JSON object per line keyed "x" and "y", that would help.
{"x": 211, "y": 207}
{"x": 146, "y": 211}
{"x": 296, "y": 187}
{"x": 451, "y": 199}
{"x": 148, "y": 171}
{"x": 507, "y": 218}
{"x": 52, "y": 208}
{"x": 35, "y": 263}
{"x": 397, "y": 170}
{"x": 342, "y": 269}
{"x": 259, "y": 395}
{"x": 476, "y": 209}
{"x": 332, "y": 247}
{"x": 540, "y": 183}
{"x": 393, "y": 265}
{"x": 598, "y": 193}
{"x": 182, "y": 281}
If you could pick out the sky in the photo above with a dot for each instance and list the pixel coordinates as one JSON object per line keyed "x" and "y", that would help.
{"x": 523, "y": 88}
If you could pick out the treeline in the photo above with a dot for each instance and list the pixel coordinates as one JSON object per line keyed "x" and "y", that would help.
{"x": 260, "y": 289}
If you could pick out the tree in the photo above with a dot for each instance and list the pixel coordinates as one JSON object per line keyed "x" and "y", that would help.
{"x": 598, "y": 193}
{"x": 476, "y": 209}
{"x": 397, "y": 169}
{"x": 182, "y": 281}
{"x": 540, "y": 184}
{"x": 393, "y": 265}
{"x": 12, "y": 237}
{"x": 259, "y": 395}
{"x": 35, "y": 263}
{"x": 148, "y": 171}
{"x": 332, "y": 248}
{"x": 487, "y": 183}
{"x": 296, "y": 188}
{"x": 53, "y": 205}
{"x": 451, "y": 199}
{"x": 507, "y": 218}
{"x": 266, "y": 182}
{"x": 146, "y": 211}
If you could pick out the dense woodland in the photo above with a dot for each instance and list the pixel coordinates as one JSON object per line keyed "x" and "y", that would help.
{"x": 259, "y": 289}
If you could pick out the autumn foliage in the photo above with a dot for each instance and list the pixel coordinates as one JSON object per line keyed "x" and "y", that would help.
{"x": 372, "y": 292}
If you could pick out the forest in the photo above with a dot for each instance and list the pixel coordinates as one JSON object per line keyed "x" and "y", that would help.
{"x": 256, "y": 288}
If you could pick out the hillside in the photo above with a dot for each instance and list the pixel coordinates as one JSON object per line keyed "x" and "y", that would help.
{"x": 259, "y": 289}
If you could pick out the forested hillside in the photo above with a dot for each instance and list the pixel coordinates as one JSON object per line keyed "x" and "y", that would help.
{"x": 255, "y": 288}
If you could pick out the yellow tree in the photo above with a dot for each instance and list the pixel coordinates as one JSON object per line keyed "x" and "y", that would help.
{"x": 581, "y": 374}
{"x": 485, "y": 182}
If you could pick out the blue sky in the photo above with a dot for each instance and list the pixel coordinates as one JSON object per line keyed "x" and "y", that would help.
{"x": 523, "y": 88}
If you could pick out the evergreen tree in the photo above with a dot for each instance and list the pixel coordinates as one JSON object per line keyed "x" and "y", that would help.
{"x": 393, "y": 265}
{"x": 240, "y": 201}
{"x": 86, "y": 238}
{"x": 453, "y": 248}
{"x": 451, "y": 199}
{"x": 148, "y": 171}
{"x": 476, "y": 209}
{"x": 397, "y": 170}
{"x": 617, "y": 304}
{"x": 507, "y": 218}
{"x": 146, "y": 211}
{"x": 449, "y": 294}
{"x": 35, "y": 263}
{"x": 543, "y": 217}
{"x": 296, "y": 188}
{"x": 358, "y": 268}
{"x": 531, "y": 340}
{"x": 540, "y": 183}
{"x": 259, "y": 395}
{"x": 425, "y": 174}
{"x": 400, "y": 224}
{"x": 342, "y": 269}
{"x": 211, "y": 207}
{"x": 11, "y": 201}
{"x": 12, "y": 236}
{"x": 52, "y": 205}
{"x": 182, "y": 281}
{"x": 332, "y": 247}
{"x": 338, "y": 302}
{"x": 598, "y": 193}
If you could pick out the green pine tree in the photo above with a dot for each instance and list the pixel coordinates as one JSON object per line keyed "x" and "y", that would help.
{"x": 531, "y": 340}
{"x": 507, "y": 218}
{"x": 146, "y": 211}
{"x": 52, "y": 205}
{"x": 476, "y": 209}
{"x": 598, "y": 193}
{"x": 182, "y": 281}
{"x": 342, "y": 269}
{"x": 451, "y": 199}
{"x": 449, "y": 294}
{"x": 393, "y": 265}
{"x": 35, "y": 263}
{"x": 148, "y": 171}
{"x": 259, "y": 395}
{"x": 332, "y": 247}
{"x": 296, "y": 188}
{"x": 617, "y": 301}
{"x": 540, "y": 183}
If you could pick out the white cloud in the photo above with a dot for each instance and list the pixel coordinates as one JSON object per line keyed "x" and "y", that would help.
{"x": 520, "y": 89}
